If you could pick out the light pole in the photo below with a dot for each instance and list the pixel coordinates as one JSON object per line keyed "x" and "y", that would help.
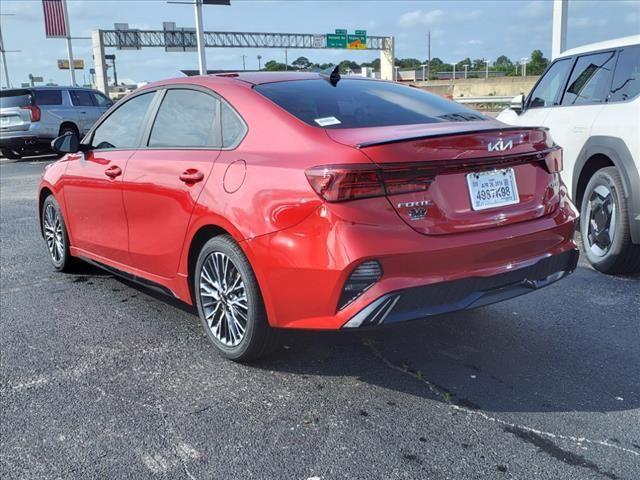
{"x": 244, "y": 66}
{"x": 523, "y": 62}
{"x": 259, "y": 62}
{"x": 395, "y": 73}
{"x": 487, "y": 68}
{"x": 454, "y": 71}
{"x": 202, "y": 58}
{"x": 466, "y": 66}
{"x": 423, "y": 67}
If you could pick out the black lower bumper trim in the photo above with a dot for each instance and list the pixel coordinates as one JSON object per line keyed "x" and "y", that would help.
{"x": 465, "y": 293}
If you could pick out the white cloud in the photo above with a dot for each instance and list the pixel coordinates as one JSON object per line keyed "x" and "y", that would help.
{"x": 473, "y": 42}
{"x": 420, "y": 18}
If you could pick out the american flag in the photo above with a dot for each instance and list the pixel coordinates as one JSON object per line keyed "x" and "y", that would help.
{"x": 54, "y": 23}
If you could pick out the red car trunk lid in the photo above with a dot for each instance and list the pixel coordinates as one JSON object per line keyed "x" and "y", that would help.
{"x": 443, "y": 159}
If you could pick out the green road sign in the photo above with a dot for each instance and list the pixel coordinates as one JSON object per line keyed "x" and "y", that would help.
{"x": 336, "y": 40}
{"x": 357, "y": 42}
{"x": 361, "y": 32}
{"x": 341, "y": 31}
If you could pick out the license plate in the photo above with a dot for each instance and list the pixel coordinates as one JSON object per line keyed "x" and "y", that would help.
{"x": 5, "y": 120}
{"x": 495, "y": 188}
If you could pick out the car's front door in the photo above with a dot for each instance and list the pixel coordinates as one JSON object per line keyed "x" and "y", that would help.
{"x": 93, "y": 183}
{"x": 163, "y": 181}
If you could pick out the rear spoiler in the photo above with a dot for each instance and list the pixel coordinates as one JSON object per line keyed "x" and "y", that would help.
{"x": 448, "y": 134}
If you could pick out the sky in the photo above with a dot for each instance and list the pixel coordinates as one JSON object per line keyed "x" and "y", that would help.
{"x": 459, "y": 29}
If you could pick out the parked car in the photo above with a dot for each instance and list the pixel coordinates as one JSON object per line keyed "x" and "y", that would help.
{"x": 31, "y": 117}
{"x": 301, "y": 200}
{"x": 589, "y": 99}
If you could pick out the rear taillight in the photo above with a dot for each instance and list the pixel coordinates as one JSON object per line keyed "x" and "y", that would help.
{"x": 338, "y": 183}
{"x": 34, "y": 112}
{"x": 553, "y": 160}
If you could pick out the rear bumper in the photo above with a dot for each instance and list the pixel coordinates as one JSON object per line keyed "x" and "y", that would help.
{"x": 302, "y": 270}
{"x": 464, "y": 294}
{"x": 24, "y": 142}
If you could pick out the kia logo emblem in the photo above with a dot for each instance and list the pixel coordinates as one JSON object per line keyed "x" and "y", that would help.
{"x": 500, "y": 146}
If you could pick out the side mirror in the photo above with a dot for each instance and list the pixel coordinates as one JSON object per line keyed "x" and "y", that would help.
{"x": 67, "y": 143}
{"x": 517, "y": 104}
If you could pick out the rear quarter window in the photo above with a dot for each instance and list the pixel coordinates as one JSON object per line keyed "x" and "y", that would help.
{"x": 48, "y": 97}
{"x": 362, "y": 103}
{"x": 626, "y": 78}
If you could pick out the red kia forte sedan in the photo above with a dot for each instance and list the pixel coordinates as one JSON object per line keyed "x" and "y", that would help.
{"x": 309, "y": 201}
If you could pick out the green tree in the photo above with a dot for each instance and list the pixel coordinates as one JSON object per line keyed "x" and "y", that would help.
{"x": 301, "y": 63}
{"x": 503, "y": 62}
{"x": 461, "y": 63}
{"x": 273, "y": 66}
{"x": 348, "y": 65}
{"x": 413, "y": 63}
{"x": 537, "y": 64}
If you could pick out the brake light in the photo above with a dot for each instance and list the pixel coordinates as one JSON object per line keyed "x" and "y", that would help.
{"x": 34, "y": 112}
{"x": 338, "y": 183}
{"x": 553, "y": 160}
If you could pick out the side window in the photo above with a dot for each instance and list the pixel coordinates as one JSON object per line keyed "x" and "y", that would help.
{"x": 626, "y": 79}
{"x": 123, "y": 126}
{"x": 48, "y": 97}
{"x": 81, "y": 98}
{"x": 100, "y": 100}
{"x": 186, "y": 118}
{"x": 546, "y": 92}
{"x": 233, "y": 128}
{"x": 590, "y": 79}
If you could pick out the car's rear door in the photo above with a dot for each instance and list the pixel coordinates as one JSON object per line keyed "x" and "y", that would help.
{"x": 93, "y": 183}
{"x": 163, "y": 180}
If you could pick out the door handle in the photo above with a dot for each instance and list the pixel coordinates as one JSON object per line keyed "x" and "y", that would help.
{"x": 113, "y": 171}
{"x": 191, "y": 176}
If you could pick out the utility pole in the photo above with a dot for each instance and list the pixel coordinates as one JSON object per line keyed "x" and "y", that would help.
{"x": 244, "y": 65}
{"x": 259, "y": 62}
{"x": 4, "y": 61}
{"x": 486, "y": 61}
{"x": 202, "y": 58}
{"x": 72, "y": 69}
{"x": 286, "y": 61}
{"x": 429, "y": 55}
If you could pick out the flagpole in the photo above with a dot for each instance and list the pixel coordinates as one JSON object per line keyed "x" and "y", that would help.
{"x": 72, "y": 69}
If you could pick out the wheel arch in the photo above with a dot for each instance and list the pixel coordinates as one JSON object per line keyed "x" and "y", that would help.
{"x": 604, "y": 151}
{"x": 68, "y": 123}
{"x": 45, "y": 191}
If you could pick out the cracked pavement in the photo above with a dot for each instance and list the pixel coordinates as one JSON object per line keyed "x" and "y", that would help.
{"x": 101, "y": 378}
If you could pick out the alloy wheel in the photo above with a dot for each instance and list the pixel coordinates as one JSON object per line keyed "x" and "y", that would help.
{"x": 52, "y": 227}
{"x": 601, "y": 218}
{"x": 224, "y": 299}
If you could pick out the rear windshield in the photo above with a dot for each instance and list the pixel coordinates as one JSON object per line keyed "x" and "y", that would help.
{"x": 15, "y": 99}
{"x": 362, "y": 103}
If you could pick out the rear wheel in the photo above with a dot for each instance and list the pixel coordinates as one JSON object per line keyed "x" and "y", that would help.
{"x": 604, "y": 225}
{"x": 10, "y": 154}
{"x": 55, "y": 235}
{"x": 68, "y": 128}
{"x": 229, "y": 302}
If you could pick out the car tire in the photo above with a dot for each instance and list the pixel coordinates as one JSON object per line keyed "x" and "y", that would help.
{"x": 10, "y": 154}
{"x": 55, "y": 235}
{"x": 68, "y": 129}
{"x": 230, "y": 303}
{"x": 604, "y": 225}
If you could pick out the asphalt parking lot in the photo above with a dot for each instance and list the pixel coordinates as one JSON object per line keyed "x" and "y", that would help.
{"x": 102, "y": 379}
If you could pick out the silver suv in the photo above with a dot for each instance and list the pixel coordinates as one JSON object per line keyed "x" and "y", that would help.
{"x": 31, "y": 117}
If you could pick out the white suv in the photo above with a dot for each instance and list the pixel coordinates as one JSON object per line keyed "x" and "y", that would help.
{"x": 589, "y": 98}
